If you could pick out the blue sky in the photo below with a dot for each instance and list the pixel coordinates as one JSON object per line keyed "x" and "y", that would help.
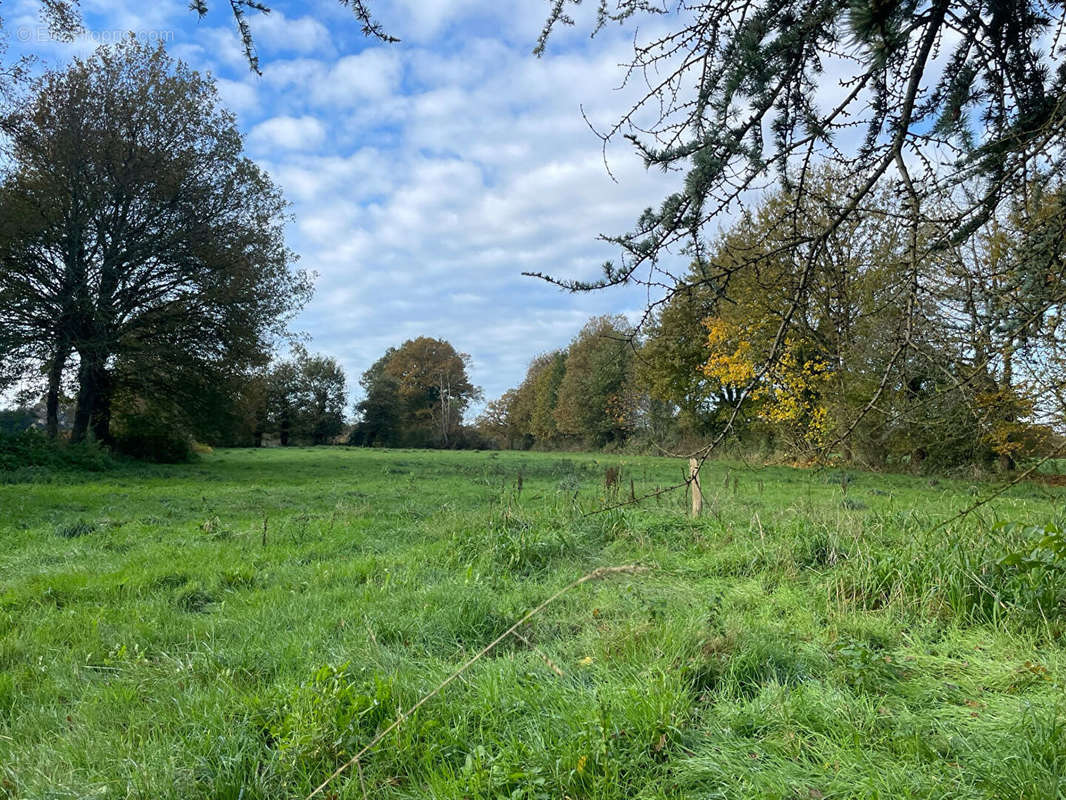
{"x": 424, "y": 176}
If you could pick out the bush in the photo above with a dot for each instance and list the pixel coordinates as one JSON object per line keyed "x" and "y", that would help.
{"x": 146, "y": 438}
{"x": 32, "y": 448}
{"x": 157, "y": 447}
{"x": 16, "y": 420}
{"x": 1031, "y": 577}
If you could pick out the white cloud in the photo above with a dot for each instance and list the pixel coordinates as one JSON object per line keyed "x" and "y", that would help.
{"x": 288, "y": 133}
{"x": 277, "y": 33}
{"x": 238, "y": 96}
{"x": 425, "y": 176}
{"x": 351, "y": 80}
{"x": 422, "y": 20}
{"x": 484, "y": 169}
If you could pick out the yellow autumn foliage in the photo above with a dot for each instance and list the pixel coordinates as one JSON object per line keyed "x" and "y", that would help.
{"x": 735, "y": 368}
{"x": 790, "y": 393}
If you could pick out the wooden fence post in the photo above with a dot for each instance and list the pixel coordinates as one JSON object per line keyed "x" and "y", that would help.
{"x": 694, "y": 484}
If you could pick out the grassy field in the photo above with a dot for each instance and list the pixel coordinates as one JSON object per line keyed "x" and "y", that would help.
{"x": 239, "y": 627}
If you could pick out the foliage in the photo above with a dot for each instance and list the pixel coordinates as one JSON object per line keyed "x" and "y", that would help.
{"x": 378, "y": 412}
{"x": 670, "y": 360}
{"x": 16, "y": 420}
{"x": 170, "y": 271}
{"x": 1035, "y": 574}
{"x": 146, "y": 436}
{"x": 327, "y": 396}
{"x": 303, "y": 399}
{"x": 594, "y": 402}
{"x": 865, "y": 666}
{"x": 526, "y": 415}
{"x": 495, "y": 422}
{"x": 837, "y": 382}
{"x": 416, "y": 395}
{"x": 331, "y": 714}
{"x": 31, "y": 449}
{"x": 790, "y": 397}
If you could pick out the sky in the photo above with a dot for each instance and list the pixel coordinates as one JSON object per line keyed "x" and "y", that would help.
{"x": 424, "y": 176}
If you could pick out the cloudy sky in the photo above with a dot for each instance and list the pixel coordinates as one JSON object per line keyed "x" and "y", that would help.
{"x": 424, "y": 176}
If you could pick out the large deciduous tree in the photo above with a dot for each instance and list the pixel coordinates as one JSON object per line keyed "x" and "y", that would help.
{"x": 432, "y": 384}
{"x": 595, "y": 402}
{"x": 325, "y": 388}
{"x": 670, "y": 360}
{"x": 531, "y": 406}
{"x": 136, "y": 236}
{"x": 416, "y": 394}
{"x": 305, "y": 397}
{"x": 379, "y": 411}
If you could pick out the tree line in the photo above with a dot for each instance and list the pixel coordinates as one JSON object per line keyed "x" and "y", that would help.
{"x": 898, "y": 299}
{"x": 970, "y": 374}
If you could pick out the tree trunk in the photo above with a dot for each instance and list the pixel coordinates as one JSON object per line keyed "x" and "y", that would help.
{"x": 55, "y": 377}
{"x": 86, "y": 399}
{"x": 102, "y": 410}
{"x": 94, "y": 399}
{"x": 1006, "y": 393}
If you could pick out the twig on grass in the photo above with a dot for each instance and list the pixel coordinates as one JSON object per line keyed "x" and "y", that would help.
{"x": 596, "y": 574}
{"x": 543, "y": 657}
{"x": 362, "y": 782}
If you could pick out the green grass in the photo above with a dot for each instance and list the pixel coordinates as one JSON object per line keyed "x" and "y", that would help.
{"x": 795, "y": 642}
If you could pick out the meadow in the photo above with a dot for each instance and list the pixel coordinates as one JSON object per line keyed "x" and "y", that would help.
{"x": 239, "y": 627}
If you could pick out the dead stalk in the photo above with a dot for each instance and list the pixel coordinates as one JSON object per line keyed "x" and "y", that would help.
{"x": 540, "y": 653}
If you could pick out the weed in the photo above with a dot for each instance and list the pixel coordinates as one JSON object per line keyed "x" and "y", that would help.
{"x": 865, "y": 666}
{"x": 194, "y": 598}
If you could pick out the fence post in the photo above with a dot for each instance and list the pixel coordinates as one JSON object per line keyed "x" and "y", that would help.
{"x": 694, "y": 484}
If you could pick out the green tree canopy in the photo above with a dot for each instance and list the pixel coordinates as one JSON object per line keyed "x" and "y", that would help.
{"x": 136, "y": 236}
{"x": 595, "y": 400}
{"x": 305, "y": 397}
{"x": 416, "y": 394}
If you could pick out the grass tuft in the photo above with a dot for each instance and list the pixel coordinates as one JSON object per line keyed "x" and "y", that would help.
{"x": 73, "y": 530}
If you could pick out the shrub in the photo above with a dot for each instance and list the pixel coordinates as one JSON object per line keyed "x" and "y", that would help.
{"x": 315, "y": 727}
{"x": 16, "y": 420}
{"x": 146, "y": 438}
{"x": 159, "y": 448}
{"x": 32, "y": 448}
{"x": 1032, "y": 577}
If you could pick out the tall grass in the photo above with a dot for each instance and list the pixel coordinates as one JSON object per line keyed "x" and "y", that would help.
{"x": 796, "y": 641}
